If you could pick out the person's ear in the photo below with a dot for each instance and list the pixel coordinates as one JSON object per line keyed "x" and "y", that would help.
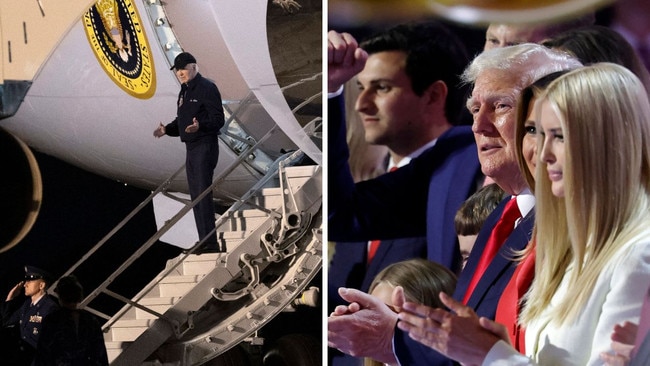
{"x": 437, "y": 93}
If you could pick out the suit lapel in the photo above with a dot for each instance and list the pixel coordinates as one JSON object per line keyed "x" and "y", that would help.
{"x": 517, "y": 241}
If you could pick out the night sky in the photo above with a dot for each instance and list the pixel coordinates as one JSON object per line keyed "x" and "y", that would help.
{"x": 78, "y": 209}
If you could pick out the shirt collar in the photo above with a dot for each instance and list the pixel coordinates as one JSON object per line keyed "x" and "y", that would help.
{"x": 525, "y": 202}
{"x": 412, "y": 155}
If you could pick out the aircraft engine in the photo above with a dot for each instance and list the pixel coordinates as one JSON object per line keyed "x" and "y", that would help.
{"x": 22, "y": 190}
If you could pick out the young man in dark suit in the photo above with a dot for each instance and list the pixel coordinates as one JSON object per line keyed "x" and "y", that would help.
{"x": 410, "y": 100}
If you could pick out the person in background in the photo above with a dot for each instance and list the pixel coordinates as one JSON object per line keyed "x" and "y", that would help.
{"x": 70, "y": 336}
{"x": 597, "y": 43}
{"x": 367, "y": 160}
{"x": 630, "y": 19}
{"x": 199, "y": 119}
{"x": 472, "y": 214}
{"x": 503, "y": 35}
{"x": 421, "y": 281}
{"x": 591, "y": 270}
{"x": 25, "y": 314}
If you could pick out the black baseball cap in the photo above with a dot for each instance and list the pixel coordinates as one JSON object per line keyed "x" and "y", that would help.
{"x": 182, "y": 59}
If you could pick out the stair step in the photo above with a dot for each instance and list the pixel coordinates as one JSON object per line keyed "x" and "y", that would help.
{"x": 175, "y": 289}
{"x": 157, "y": 304}
{"x": 245, "y": 220}
{"x": 113, "y": 349}
{"x": 181, "y": 279}
{"x": 300, "y": 171}
{"x": 129, "y": 330}
{"x": 227, "y": 235}
{"x": 153, "y": 301}
{"x": 201, "y": 264}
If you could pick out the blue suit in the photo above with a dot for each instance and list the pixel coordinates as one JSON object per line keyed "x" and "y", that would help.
{"x": 419, "y": 199}
{"x": 488, "y": 290}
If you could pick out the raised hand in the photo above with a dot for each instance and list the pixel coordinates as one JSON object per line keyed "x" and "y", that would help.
{"x": 344, "y": 59}
{"x": 160, "y": 131}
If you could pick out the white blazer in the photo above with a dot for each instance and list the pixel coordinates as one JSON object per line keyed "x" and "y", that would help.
{"x": 617, "y": 296}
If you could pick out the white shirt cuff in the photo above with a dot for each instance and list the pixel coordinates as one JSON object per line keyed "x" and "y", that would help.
{"x": 336, "y": 93}
{"x": 502, "y": 354}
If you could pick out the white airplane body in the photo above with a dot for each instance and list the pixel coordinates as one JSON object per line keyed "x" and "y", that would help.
{"x": 84, "y": 108}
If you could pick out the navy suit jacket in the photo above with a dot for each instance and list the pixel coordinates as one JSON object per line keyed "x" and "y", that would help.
{"x": 488, "y": 290}
{"x": 348, "y": 266}
{"x": 419, "y": 199}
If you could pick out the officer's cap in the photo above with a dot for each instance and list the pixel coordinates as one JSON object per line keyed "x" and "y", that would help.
{"x": 35, "y": 273}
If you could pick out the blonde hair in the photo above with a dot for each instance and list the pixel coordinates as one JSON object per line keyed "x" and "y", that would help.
{"x": 605, "y": 118}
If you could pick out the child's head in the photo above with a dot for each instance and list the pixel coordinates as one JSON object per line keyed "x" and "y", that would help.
{"x": 471, "y": 215}
{"x": 421, "y": 279}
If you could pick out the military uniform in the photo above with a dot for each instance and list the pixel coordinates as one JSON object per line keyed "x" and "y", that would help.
{"x": 23, "y": 321}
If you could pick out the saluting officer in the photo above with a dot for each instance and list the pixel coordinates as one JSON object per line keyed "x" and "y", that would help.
{"x": 27, "y": 316}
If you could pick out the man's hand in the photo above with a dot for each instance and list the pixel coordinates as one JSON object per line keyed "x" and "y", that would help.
{"x": 160, "y": 131}
{"x": 193, "y": 127}
{"x": 364, "y": 329}
{"x": 344, "y": 59}
{"x": 459, "y": 336}
{"x": 15, "y": 291}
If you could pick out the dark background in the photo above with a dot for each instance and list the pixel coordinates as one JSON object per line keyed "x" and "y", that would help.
{"x": 78, "y": 209}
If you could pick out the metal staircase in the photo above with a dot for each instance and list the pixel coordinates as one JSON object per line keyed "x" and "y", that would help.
{"x": 202, "y": 305}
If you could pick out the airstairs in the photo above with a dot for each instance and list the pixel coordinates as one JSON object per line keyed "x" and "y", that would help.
{"x": 200, "y": 306}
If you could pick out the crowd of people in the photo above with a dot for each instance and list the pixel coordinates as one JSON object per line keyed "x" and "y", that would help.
{"x": 558, "y": 265}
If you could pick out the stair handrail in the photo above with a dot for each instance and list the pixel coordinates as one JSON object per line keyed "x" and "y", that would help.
{"x": 288, "y": 158}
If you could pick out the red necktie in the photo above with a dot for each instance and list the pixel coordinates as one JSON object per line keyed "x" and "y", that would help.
{"x": 499, "y": 234}
{"x": 509, "y": 308}
{"x": 374, "y": 244}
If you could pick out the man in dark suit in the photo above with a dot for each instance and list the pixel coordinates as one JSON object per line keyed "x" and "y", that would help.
{"x": 409, "y": 97}
{"x": 498, "y": 77}
{"x": 383, "y": 208}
